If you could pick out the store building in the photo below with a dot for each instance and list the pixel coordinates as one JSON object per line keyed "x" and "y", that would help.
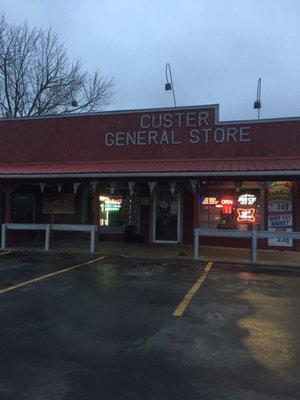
{"x": 159, "y": 172}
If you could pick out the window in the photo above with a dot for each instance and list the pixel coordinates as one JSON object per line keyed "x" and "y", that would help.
{"x": 24, "y": 208}
{"x": 118, "y": 211}
{"x": 209, "y": 216}
{"x": 234, "y": 211}
{"x": 111, "y": 213}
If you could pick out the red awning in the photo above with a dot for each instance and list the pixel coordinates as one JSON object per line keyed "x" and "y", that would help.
{"x": 158, "y": 167}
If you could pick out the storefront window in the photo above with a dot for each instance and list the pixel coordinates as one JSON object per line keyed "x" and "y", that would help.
{"x": 24, "y": 208}
{"x": 111, "y": 211}
{"x": 118, "y": 211}
{"x": 236, "y": 211}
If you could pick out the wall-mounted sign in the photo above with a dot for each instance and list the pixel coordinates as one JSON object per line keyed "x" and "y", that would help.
{"x": 144, "y": 201}
{"x": 62, "y": 204}
{"x": 246, "y": 215}
{"x": 165, "y": 129}
{"x": 247, "y": 199}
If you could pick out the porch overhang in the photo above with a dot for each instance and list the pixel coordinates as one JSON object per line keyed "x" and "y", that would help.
{"x": 255, "y": 167}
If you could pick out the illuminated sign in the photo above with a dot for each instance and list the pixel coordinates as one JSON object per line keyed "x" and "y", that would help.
{"x": 209, "y": 200}
{"x": 247, "y": 199}
{"x": 226, "y": 202}
{"x": 111, "y": 204}
{"x": 246, "y": 214}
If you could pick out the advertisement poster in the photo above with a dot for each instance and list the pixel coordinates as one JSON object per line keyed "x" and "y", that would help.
{"x": 63, "y": 204}
{"x": 276, "y": 220}
{"x": 283, "y": 241}
{"x": 280, "y": 196}
{"x": 280, "y": 216}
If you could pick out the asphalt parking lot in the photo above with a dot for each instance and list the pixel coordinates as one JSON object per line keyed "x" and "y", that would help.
{"x": 106, "y": 330}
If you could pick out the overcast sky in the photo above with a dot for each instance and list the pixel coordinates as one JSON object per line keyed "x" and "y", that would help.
{"x": 217, "y": 49}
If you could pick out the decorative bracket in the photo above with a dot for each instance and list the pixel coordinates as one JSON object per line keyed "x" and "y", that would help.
{"x": 152, "y": 186}
{"x": 76, "y": 186}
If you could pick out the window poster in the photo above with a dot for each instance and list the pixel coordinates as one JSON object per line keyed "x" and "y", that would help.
{"x": 280, "y": 212}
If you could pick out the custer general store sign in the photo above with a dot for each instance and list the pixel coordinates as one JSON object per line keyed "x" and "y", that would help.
{"x": 166, "y": 129}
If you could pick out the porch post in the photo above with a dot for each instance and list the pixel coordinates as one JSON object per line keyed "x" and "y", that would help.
{"x": 8, "y": 208}
{"x": 196, "y": 207}
{"x": 8, "y": 190}
{"x": 196, "y": 189}
{"x": 96, "y": 210}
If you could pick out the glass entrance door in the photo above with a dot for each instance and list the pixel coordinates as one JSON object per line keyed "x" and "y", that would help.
{"x": 166, "y": 217}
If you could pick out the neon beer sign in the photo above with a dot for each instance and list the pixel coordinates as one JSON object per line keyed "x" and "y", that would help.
{"x": 246, "y": 215}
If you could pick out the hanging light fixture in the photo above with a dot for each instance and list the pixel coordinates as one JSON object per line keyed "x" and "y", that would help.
{"x": 169, "y": 85}
{"x": 257, "y": 102}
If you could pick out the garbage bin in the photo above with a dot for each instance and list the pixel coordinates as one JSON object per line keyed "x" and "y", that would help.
{"x": 129, "y": 233}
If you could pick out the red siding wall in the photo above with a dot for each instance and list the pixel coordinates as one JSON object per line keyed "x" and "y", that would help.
{"x": 82, "y": 139}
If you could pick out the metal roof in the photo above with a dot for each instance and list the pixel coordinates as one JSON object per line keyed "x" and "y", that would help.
{"x": 188, "y": 167}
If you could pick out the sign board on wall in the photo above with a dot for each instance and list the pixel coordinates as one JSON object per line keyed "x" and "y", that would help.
{"x": 280, "y": 216}
{"x": 166, "y": 128}
{"x": 62, "y": 204}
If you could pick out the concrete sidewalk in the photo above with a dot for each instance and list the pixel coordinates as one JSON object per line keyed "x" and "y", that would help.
{"x": 213, "y": 253}
{"x": 159, "y": 250}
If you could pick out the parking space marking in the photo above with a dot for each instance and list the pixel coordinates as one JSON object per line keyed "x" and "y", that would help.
{"x": 190, "y": 294}
{"x": 6, "y": 252}
{"x": 40, "y": 278}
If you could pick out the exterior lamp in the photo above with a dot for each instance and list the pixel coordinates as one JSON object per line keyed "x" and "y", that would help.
{"x": 169, "y": 85}
{"x": 257, "y": 102}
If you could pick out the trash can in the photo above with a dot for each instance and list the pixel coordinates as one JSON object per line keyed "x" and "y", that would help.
{"x": 129, "y": 233}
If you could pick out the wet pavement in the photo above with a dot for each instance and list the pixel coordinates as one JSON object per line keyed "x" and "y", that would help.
{"x": 106, "y": 331}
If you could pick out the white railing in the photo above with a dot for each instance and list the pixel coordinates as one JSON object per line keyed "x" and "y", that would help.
{"x": 48, "y": 228}
{"x": 253, "y": 235}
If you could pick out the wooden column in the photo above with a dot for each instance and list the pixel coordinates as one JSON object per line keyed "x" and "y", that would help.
{"x": 196, "y": 189}
{"x": 196, "y": 206}
{"x": 96, "y": 208}
{"x": 8, "y": 190}
{"x": 8, "y": 208}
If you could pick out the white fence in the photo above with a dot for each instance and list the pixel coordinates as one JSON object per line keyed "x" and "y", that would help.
{"x": 48, "y": 228}
{"x": 252, "y": 235}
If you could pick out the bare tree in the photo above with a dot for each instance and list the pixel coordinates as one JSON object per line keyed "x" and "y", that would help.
{"x": 37, "y": 77}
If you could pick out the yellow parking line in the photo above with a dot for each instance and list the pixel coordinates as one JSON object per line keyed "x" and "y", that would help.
{"x": 40, "y": 278}
{"x": 5, "y": 252}
{"x": 190, "y": 294}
